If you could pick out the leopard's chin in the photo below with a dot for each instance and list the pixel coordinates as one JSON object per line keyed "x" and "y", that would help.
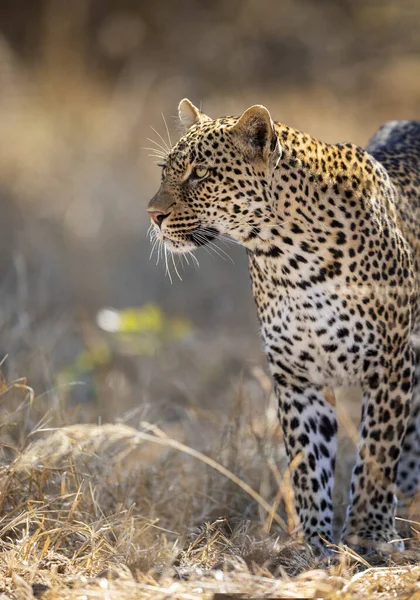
{"x": 194, "y": 239}
{"x": 177, "y": 246}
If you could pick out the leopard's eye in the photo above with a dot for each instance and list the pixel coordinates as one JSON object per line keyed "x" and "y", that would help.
{"x": 163, "y": 167}
{"x": 200, "y": 172}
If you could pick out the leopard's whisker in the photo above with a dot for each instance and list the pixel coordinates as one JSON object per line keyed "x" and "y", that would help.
{"x": 163, "y": 154}
{"x": 194, "y": 258}
{"x": 227, "y": 240}
{"x": 159, "y": 147}
{"x": 220, "y": 236}
{"x": 161, "y": 137}
{"x": 159, "y": 158}
{"x": 176, "y": 270}
{"x": 167, "y": 270}
{"x": 192, "y": 255}
{"x": 198, "y": 238}
{"x": 159, "y": 251}
{"x": 217, "y": 249}
{"x": 208, "y": 245}
{"x": 212, "y": 243}
{"x": 167, "y": 130}
{"x": 155, "y": 243}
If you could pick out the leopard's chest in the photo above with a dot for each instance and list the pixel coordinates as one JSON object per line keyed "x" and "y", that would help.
{"x": 304, "y": 335}
{"x": 316, "y": 334}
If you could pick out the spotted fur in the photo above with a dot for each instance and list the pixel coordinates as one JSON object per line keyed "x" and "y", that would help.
{"x": 333, "y": 240}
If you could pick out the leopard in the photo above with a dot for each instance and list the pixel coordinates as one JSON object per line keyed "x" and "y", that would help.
{"x": 332, "y": 235}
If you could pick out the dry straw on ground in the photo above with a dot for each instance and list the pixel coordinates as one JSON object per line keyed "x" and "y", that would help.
{"x": 112, "y": 512}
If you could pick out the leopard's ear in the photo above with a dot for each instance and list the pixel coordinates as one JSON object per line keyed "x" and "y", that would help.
{"x": 256, "y": 135}
{"x": 189, "y": 114}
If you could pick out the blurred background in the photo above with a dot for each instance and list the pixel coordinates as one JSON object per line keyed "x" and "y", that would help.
{"x": 95, "y": 326}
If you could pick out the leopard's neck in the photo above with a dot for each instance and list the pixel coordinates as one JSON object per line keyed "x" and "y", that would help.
{"x": 322, "y": 204}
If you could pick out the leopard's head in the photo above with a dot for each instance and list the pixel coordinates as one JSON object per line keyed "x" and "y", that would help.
{"x": 216, "y": 179}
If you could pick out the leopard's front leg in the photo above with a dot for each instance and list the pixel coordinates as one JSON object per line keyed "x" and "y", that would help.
{"x": 310, "y": 430}
{"x": 370, "y": 522}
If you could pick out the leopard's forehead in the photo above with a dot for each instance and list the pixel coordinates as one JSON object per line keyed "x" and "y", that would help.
{"x": 200, "y": 141}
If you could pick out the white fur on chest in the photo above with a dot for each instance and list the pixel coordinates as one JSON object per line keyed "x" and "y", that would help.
{"x": 312, "y": 334}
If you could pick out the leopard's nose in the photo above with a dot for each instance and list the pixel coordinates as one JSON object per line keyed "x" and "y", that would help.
{"x": 157, "y": 216}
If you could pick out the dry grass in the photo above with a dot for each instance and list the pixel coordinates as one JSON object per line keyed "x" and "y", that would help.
{"x": 117, "y": 512}
{"x": 109, "y": 511}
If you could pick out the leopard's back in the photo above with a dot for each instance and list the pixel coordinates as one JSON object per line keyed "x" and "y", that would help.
{"x": 397, "y": 146}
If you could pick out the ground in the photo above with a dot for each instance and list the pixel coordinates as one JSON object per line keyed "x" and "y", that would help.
{"x": 116, "y": 512}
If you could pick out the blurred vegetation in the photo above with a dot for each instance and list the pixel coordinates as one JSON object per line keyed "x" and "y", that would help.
{"x": 81, "y": 84}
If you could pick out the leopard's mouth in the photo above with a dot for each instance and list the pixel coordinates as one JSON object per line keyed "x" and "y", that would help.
{"x": 200, "y": 236}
